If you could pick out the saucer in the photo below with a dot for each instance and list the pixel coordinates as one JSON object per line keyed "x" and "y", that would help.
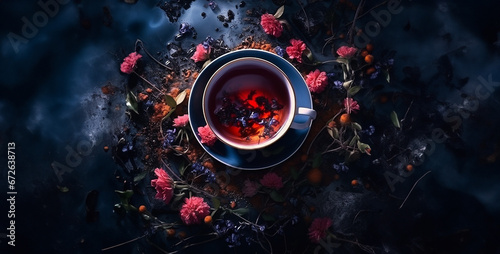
{"x": 265, "y": 157}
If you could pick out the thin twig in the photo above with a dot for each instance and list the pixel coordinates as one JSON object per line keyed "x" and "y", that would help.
{"x": 362, "y": 15}
{"x": 149, "y": 54}
{"x": 350, "y": 33}
{"x": 305, "y": 14}
{"x": 413, "y": 188}
{"x": 147, "y": 81}
{"x": 121, "y": 244}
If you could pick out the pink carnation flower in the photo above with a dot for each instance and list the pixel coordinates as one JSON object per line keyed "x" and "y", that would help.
{"x": 250, "y": 188}
{"x": 129, "y": 62}
{"x": 194, "y": 210}
{"x": 271, "y": 25}
{"x": 295, "y": 51}
{"x": 346, "y": 52}
{"x": 351, "y": 105}
{"x": 318, "y": 229}
{"x": 272, "y": 180}
{"x": 207, "y": 135}
{"x": 316, "y": 81}
{"x": 201, "y": 54}
{"x": 163, "y": 186}
{"x": 181, "y": 121}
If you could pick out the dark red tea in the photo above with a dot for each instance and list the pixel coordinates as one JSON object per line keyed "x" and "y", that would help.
{"x": 248, "y": 102}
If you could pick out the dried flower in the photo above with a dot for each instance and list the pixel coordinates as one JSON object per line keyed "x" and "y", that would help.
{"x": 250, "y": 188}
{"x": 318, "y": 229}
{"x": 295, "y": 51}
{"x": 201, "y": 53}
{"x": 272, "y": 180}
{"x": 129, "y": 62}
{"x": 271, "y": 25}
{"x": 346, "y": 51}
{"x": 207, "y": 135}
{"x": 163, "y": 185}
{"x": 316, "y": 81}
{"x": 194, "y": 210}
{"x": 181, "y": 121}
{"x": 351, "y": 105}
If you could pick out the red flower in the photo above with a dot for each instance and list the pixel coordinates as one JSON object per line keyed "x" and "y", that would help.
{"x": 316, "y": 81}
{"x": 318, "y": 229}
{"x": 194, "y": 210}
{"x": 295, "y": 51}
{"x": 207, "y": 135}
{"x": 129, "y": 62}
{"x": 201, "y": 53}
{"x": 346, "y": 52}
{"x": 181, "y": 121}
{"x": 272, "y": 180}
{"x": 351, "y": 105}
{"x": 163, "y": 186}
{"x": 250, "y": 188}
{"x": 271, "y": 25}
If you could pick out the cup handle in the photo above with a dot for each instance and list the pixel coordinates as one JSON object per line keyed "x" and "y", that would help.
{"x": 311, "y": 113}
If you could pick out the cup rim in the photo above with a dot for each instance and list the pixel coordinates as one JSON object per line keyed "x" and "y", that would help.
{"x": 284, "y": 127}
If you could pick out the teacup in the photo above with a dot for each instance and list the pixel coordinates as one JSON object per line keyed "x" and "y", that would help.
{"x": 249, "y": 103}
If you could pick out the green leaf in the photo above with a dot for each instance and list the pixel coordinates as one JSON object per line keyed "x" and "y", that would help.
{"x": 309, "y": 54}
{"x": 124, "y": 197}
{"x": 206, "y": 63}
{"x": 317, "y": 160}
{"x": 362, "y": 147}
{"x": 240, "y": 211}
{"x": 353, "y": 90}
{"x": 279, "y": 12}
{"x": 356, "y": 126}
{"x": 347, "y": 84}
{"x": 180, "y": 97}
{"x": 215, "y": 203}
{"x": 132, "y": 102}
{"x": 387, "y": 76}
{"x": 170, "y": 101}
{"x": 140, "y": 176}
{"x": 268, "y": 217}
{"x": 63, "y": 189}
{"x": 334, "y": 132}
{"x": 276, "y": 196}
{"x": 395, "y": 120}
{"x": 354, "y": 140}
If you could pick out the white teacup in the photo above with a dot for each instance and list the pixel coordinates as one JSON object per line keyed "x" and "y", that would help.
{"x": 249, "y": 103}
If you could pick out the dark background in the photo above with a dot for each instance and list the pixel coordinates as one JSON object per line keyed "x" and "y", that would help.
{"x": 51, "y": 105}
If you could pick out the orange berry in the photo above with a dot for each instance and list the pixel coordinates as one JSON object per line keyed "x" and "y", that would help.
{"x": 341, "y": 36}
{"x": 232, "y": 204}
{"x": 314, "y": 176}
{"x": 170, "y": 232}
{"x": 181, "y": 235}
{"x": 106, "y": 148}
{"x": 345, "y": 119}
{"x": 208, "y": 219}
{"x": 303, "y": 157}
{"x": 383, "y": 99}
{"x": 369, "y": 47}
{"x": 312, "y": 209}
{"x": 142, "y": 209}
{"x": 364, "y": 53}
{"x": 331, "y": 124}
{"x": 336, "y": 177}
{"x": 369, "y": 59}
{"x": 370, "y": 70}
{"x": 354, "y": 182}
{"x": 409, "y": 167}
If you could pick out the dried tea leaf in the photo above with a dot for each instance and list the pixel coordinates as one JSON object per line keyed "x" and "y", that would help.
{"x": 132, "y": 102}
{"x": 279, "y": 12}
{"x": 395, "y": 120}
